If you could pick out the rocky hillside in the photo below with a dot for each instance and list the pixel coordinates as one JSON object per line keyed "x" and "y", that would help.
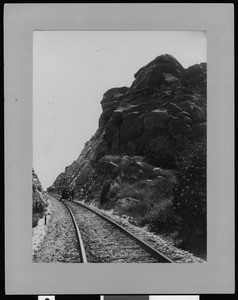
{"x": 38, "y": 198}
{"x": 150, "y": 145}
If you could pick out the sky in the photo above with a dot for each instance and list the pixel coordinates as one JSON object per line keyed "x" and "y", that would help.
{"x": 71, "y": 72}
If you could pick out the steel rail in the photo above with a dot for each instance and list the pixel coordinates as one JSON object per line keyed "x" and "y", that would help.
{"x": 79, "y": 238}
{"x": 154, "y": 252}
{"x": 145, "y": 245}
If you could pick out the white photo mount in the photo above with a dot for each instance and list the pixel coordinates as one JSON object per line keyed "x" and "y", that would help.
{"x": 24, "y": 277}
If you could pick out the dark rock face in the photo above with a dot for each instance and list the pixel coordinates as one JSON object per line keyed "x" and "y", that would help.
{"x": 36, "y": 185}
{"x": 38, "y": 199}
{"x": 164, "y": 107}
{"x": 164, "y": 99}
{"x": 110, "y": 102}
{"x": 163, "y": 71}
{"x": 148, "y": 156}
{"x": 195, "y": 78}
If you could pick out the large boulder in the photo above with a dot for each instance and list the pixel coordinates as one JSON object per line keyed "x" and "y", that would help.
{"x": 112, "y": 96}
{"x": 107, "y": 166}
{"x": 153, "y": 75}
{"x": 116, "y": 117}
{"x": 134, "y": 110}
{"x": 131, "y": 129}
{"x": 157, "y": 119}
{"x": 197, "y": 112}
{"x": 111, "y": 100}
{"x": 195, "y": 78}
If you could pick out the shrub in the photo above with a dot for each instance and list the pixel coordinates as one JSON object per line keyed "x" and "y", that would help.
{"x": 35, "y": 219}
{"x": 160, "y": 216}
{"x": 160, "y": 151}
{"x": 38, "y": 209}
{"x": 114, "y": 189}
{"x": 135, "y": 209}
{"x": 148, "y": 170}
{"x": 141, "y": 191}
{"x": 190, "y": 193}
{"x": 150, "y": 194}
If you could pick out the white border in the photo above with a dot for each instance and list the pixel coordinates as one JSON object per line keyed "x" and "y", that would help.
{"x": 24, "y": 277}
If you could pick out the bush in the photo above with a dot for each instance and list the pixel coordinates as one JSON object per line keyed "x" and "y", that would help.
{"x": 151, "y": 196}
{"x": 39, "y": 207}
{"x": 114, "y": 189}
{"x": 35, "y": 220}
{"x": 38, "y": 210}
{"x": 160, "y": 151}
{"x": 148, "y": 170}
{"x": 190, "y": 193}
{"x": 160, "y": 216}
{"x": 142, "y": 191}
{"x": 135, "y": 209}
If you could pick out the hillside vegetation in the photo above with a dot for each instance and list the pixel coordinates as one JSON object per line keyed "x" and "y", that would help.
{"x": 39, "y": 200}
{"x": 147, "y": 159}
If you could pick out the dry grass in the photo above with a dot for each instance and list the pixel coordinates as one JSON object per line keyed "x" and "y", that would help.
{"x": 153, "y": 199}
{"x": 160, "y": 216}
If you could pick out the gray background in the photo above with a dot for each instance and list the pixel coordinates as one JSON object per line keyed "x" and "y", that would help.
{"x": 24, "y": 277}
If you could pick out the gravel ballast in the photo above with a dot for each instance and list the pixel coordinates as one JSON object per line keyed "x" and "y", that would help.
{"x": 60, "y": 242}
{"x": 105, "y": 243}
{"x": 177, "y": 255}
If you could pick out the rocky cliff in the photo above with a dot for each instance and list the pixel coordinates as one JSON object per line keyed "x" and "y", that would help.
{"x": 38, "y": 198}
{"x": 164, "y": 108}
{"x": 135, "y": 156}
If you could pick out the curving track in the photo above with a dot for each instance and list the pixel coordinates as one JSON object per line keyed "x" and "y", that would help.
{"x": 79, "y": 238}
{"x": 101, "y": 240}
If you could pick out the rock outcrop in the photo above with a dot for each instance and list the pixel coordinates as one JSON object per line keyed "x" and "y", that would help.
{"x": 147, "y": 159}
{"x": 39, "y": 199}
{"x": 163, "y": 109}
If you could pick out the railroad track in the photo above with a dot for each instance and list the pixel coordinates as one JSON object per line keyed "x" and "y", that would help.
{"x": 100, "y": 239}
{"x": 79, "y": 238}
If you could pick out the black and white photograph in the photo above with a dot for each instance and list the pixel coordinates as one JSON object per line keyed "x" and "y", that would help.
{"x": 119, "y": 147}
{"x": 119, "y": 159}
